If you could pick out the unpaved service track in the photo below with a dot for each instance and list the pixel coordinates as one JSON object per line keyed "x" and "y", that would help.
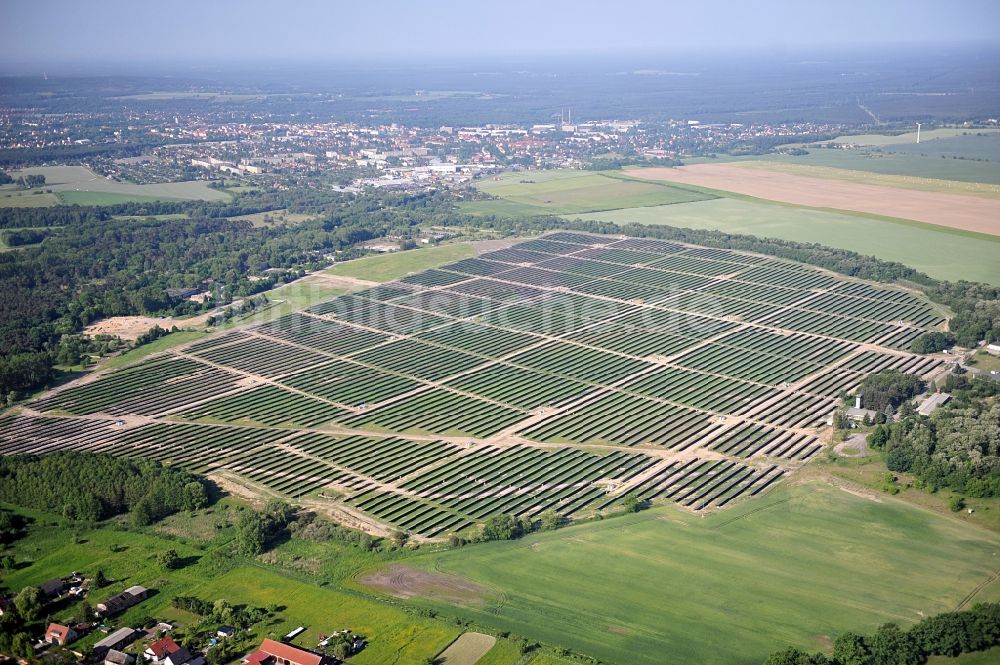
{"x": 969, "y": 213}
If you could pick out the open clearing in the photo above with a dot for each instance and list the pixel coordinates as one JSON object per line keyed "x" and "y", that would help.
{"x": 78, "y": 184}
{"x": 562, "y": 373}
{"x": 977, "y": 214}
{"x": 401, "y": 581}
{"x": 940, "y": 252}
{"x": 467, "y": 649}
{"x": 394, "y": 265}
{"x": 794, "y": 568}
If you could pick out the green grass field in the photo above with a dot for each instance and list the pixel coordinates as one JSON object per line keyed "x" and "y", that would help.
{"x": 938, "y": 251}
{"x": 103, "y": 198}
{"x": 274, "y": 217}
{"x": 12, "y": 197}
{"x": 285, "y": 299}
{"x": 570, "y": 192}
{"x": 796, "y": 567}
{"x": 79, "y": 185}
{"x": 156, "y": 346}
{"x": 391, "y": 266}
{"x": 909, "y": 137}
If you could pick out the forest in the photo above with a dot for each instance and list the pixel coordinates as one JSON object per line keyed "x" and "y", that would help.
{"x": 90, "y": 487}
{"x": 99, "y": 262}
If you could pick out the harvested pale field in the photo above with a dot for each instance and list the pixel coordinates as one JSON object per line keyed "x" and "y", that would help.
{"x": 467, "y": 649}
{"x": 967, "y": 213}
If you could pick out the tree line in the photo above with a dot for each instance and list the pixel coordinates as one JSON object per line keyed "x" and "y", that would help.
{"x": 948, "y": 634}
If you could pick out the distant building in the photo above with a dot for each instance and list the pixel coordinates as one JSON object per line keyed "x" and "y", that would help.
{"x": 59, "y": 634}
{"x": 121, "y": 602}
{"x": 53, "y": 588}
{"x": 858, "y": 415}
{"x": 182, "y": 293}
{"x": 225, "y": 631}
{"x": 116, "y": 640}
{"x": 929, "y": 405}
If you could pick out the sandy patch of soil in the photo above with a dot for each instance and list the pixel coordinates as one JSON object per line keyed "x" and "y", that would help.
{"x": 406, "y": 582}
{"x": 130, "y": 327}
{"x": 853, "y": 446}
{"x": 969, "y": 213}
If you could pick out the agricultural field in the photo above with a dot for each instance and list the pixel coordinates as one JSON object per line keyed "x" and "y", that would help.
{"x": 79, "y": 185}
{"x": 950, "y": 176}
{"x": 798, "y": 567}
{"x": 570, "y": 192}
{"x": 954, "y": 211}
{"x": 564, "y": 373}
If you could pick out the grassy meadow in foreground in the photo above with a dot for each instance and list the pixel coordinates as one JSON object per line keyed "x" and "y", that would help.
{"x": 796, "y": 567}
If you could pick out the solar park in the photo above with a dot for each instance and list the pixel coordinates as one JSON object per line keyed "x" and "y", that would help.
{"x": 564, "y": 373}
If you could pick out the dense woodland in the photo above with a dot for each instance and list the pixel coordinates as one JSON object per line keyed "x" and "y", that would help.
{"x": 957, "y": 447}
{"x": 91, "y": 487}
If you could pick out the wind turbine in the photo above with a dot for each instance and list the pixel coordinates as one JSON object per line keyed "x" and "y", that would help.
{"x": 918, "y": 132}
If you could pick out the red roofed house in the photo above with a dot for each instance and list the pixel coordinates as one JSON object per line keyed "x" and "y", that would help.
{"x": 61, "y": 635}
{"x": 161, "y": 648}
{"x": 278, "y": 653}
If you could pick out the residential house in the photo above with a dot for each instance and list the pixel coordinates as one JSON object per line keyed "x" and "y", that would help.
{"x": 121, "y": 602}
{"x": 53, "y": 588}
{"x": 279, "y": 653}
{"x": 59, "y": 634}
{"x": 183, "y": 657}
{"x": 160, "y": 649}
{"x": 225, "y": 631}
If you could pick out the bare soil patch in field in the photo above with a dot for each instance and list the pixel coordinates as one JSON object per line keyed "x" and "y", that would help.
{"x": 406, "y": 582}
{"x": 130, "y": 327}
{"x": 969, "y": 213}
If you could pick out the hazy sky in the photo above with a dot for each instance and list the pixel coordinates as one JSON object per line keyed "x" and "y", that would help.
{"x": 136, "y": 31}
